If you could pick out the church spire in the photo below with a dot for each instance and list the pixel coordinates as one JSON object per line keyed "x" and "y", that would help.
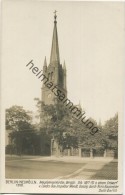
{"x": 45, "y": 66}
{"x": 55, "y": 47}
{"x": 45, "y": 63}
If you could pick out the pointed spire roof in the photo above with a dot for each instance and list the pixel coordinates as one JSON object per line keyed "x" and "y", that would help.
{"x": 45, "y": 63}
{"x": 80, "y": 107}
{"x": 55, "y": 47}
{"x": 64, "y": 65}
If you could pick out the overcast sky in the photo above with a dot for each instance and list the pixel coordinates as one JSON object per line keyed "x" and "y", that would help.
{"x": 91, "y": 41}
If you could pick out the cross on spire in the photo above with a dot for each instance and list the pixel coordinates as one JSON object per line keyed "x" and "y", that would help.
{"x": 55, "y": 16}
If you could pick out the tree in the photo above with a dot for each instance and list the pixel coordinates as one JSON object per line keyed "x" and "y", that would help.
{"x": 19, "y": 121}
{"x": 110, "y": 132}
{"x": 17, "y": 118}
{"x": 56, "y": 121}
{"x": 69, "y": 131}
{"x": 86, "y": 140}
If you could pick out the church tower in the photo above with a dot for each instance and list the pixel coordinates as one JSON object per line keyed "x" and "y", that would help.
{"x": 54, "y": 71}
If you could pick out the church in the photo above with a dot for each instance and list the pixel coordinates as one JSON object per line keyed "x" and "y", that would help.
{"x": 56, "y": 74}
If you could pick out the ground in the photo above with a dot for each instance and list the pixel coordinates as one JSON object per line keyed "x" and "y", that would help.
{"x": 31, "y": 167}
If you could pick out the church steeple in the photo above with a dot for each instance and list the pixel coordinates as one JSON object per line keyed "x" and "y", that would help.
{"x": 54, "y": 58}
{"x": 54, "y": 71}
{"x": 45, "y": 66}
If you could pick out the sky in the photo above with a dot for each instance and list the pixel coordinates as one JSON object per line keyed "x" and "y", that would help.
{"x": 91, "y": 41}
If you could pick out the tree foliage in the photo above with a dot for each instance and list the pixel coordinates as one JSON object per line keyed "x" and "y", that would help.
{"x": 22, "y": 131}
{"x": 58, "y": 122}
{"x": 17, "y": 118}
{"x": 110, "y": 132}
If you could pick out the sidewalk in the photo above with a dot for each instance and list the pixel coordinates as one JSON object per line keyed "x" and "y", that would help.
{"x": 73, "y": 159}
{"x": 100, "y": 171}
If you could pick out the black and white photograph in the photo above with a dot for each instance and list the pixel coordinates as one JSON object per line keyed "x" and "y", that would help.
{"x": 62, "y": 96}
